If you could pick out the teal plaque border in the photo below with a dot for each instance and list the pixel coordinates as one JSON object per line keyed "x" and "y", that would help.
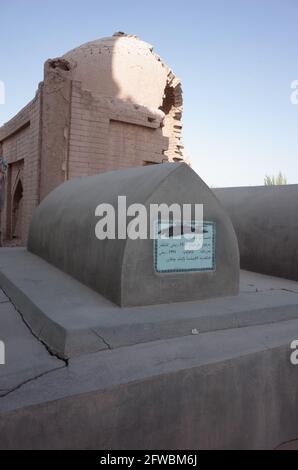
{"x": 213, "y": 268}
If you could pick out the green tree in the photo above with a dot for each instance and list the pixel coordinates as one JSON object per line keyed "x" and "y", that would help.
{"x": 275, "y": 180}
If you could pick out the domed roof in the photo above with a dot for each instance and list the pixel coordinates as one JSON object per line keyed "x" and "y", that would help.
{"x": 120, "y": 66}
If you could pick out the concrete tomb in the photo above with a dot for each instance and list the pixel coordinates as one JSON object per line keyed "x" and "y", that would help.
{"x": 265, "y": 219}
{"x": 136, "y": 272}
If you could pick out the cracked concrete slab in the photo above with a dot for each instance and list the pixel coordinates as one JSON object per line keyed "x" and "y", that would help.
{"x": 25, "y": 357}
{"x": 167, "y": 385}
{"x": 3, "y": 297}
{"x": 74, "y": 320}
{"x": 167, "y": 388}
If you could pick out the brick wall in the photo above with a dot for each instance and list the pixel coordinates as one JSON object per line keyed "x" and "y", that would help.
{"x": 20, "y": 139}
{"x": 107, "y": 134}
{"x": 55, "y": 120}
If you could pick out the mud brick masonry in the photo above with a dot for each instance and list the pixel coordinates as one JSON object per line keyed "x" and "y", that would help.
{"x": 108, "y": 104}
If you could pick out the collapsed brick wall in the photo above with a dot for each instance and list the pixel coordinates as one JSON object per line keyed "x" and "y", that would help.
{"x": 108, "y": 134}
{"x": 172, "y": 107}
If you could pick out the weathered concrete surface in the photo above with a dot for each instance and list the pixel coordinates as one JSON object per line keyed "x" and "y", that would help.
{"x": 26, "y": 358}
{"x": 74, "y": 320}
{"x": 256, "y": 282}
{"x": 64, "y": 224}
{"x": 233, "y": 389}
{"x": 266, "y": 223}
{"x": 291, "y": 445}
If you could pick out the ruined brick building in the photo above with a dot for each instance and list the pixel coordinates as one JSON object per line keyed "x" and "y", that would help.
{"x": 108, "y": 104}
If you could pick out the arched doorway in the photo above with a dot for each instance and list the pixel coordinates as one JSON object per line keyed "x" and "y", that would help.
{"x": 17, "y": 211}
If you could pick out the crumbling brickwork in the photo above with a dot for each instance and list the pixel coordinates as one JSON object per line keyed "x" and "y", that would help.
{"x": 20, "y": 148}
{"x": 109, "y": 104}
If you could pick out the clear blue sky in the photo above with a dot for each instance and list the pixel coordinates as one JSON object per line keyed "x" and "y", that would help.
{"x": 236, "y": 59}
